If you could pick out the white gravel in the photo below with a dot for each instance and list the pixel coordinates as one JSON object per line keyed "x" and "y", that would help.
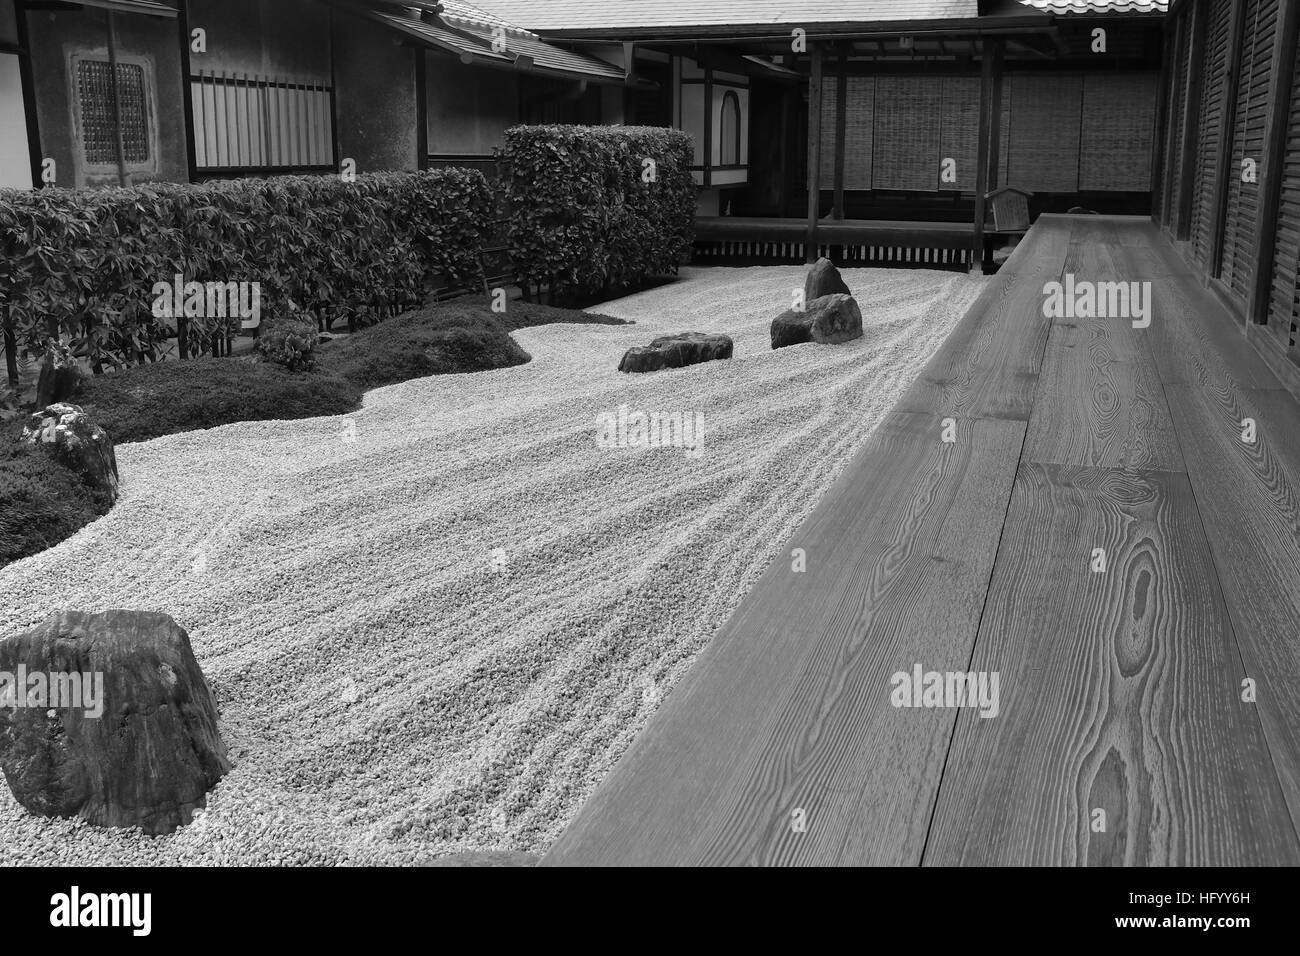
{"x": 435, "y": 624}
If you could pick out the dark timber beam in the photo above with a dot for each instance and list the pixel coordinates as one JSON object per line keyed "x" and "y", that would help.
{"x": 986, "y": 159}
{"x": 815, "y": 159}
{"x": 1191, "y": 110}
{"x": 841, "y": 121}
{"x": 1275, "y": 137}
{"x": 1219, "y": 207}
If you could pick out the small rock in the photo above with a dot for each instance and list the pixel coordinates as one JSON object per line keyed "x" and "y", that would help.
{"x": 676, "y": 351}
{"x": 73, "y": 439}
{"x": 823, "y": 279}
{"x": 140, "y": 748}
{"x": 830, "y": 320}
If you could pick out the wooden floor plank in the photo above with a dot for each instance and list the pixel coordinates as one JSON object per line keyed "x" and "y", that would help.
{"x": 1196, "y": 342}
{"x": 787, "y": 708}
{"x": 989, "y": 366}
{"x": 1119, "y": 692}
{"x": 1100, "y": 401}
{"x": 1249, "y": 499}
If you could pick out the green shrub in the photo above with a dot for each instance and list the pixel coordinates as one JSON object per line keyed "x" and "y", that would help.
{"x": 289, "y": 344}
{"x": 87, "y": 263}
{"x": 583, "y": 216}
{"x": 152, "y": 400}
{"x": 459, "y": 336}
{"x": 41, "y": 501}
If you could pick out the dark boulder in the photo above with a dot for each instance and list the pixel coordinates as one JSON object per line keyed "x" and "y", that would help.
{"x": 70, "y": 437}
{"x": 124, "y": 733}
{"x": 59, "y": 378}
{"x": 676, "y": 351}
{"x": 830, "y": 320}
{"x": 823, "y": 279}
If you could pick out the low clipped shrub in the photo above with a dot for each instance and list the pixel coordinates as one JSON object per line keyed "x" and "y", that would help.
{"x": 154, "y": 400}
{"x": 289, "y": 343}
{"x": 594, "y": 207}
{"x": 464, "y": 335}
{"x": 42, "y": 502}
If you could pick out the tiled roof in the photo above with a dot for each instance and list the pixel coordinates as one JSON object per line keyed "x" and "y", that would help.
{"x": 466, "y": 31}
{"x": 1065, "y": 7}
{"x": 548, "y": 16}
{"x": 521, "y": 42}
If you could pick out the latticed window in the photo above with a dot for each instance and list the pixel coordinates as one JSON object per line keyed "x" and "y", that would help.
{"x": 98, "y": 127}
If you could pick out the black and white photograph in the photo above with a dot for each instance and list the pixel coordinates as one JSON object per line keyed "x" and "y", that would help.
{"x": 651, "y": 433}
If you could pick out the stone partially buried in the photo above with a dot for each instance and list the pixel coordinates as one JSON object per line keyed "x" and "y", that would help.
{"x": 112, "y": 721}
{"x": 69, "y": 436}
{"x": 823, "y": 279}
{"x": 676, "y": 351}
{"x": 830, "y": 320}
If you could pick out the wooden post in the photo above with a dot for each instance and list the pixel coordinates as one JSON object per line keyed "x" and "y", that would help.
{"x": 1223, "y": 159}
{"x": 841, "y": 122}
{"x": 986, "y": 160}
{"x": 1191, "y": 110}
{"x": 1270, "y": 186}
{"x": 815, "y": 159}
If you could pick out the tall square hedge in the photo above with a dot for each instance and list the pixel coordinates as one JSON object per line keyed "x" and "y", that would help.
{"x": 81, "y": 264}
{"x": 598, "y": 206}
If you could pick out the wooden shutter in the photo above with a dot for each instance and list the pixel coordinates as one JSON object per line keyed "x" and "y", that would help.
{"x": 1248, "y": 142}
{"x": 1213, "y": 94}
{"x": 1044, "y": 155}
{"x": 1284, "y": 302}
{"x": 1178, "y": 122}
{"x": 906, "y": 153}
{"x": 959, "y": 131}
{"x": 1118, "y": 127}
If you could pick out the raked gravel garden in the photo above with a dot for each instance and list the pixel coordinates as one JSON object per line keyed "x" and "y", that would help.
{"x": 433, "y": 625}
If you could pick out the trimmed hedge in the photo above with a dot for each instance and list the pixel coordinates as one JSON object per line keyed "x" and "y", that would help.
{"x": 583, "y": 218}
{"x": 82, "y": 264}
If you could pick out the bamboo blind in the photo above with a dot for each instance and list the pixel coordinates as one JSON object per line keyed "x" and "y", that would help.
{"x": 959, "y": 129}
{"x": 907, "y": 133}
{"x": 1045, "y": 132}
{"x": 1215, "y": 72}
{"x": 1117, "y": 130}
{"x": 858, "y": 131}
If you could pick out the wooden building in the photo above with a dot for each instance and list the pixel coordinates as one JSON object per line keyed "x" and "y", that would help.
{"x": 1229, "y": 188}
{"x": 882, "y": 125}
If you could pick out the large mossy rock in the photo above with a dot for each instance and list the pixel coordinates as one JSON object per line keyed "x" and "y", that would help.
{"x": 70, "y": 437}
{"x": 138, "y": 746}
{"x": 823, "y": 279}
{"x": 830, "y": 320}
{"x": 676, "y": 351}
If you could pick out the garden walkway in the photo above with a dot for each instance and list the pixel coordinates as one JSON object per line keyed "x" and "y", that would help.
{"x": 1146, "y": 713}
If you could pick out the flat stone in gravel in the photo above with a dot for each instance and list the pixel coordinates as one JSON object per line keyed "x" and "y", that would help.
{"x": 129, "y": 740}
{"x": 823, "y": 279}
{"x": 69, "y": 435}
{"x": 676, "y": 351}
{"x": 830, "y": 320}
